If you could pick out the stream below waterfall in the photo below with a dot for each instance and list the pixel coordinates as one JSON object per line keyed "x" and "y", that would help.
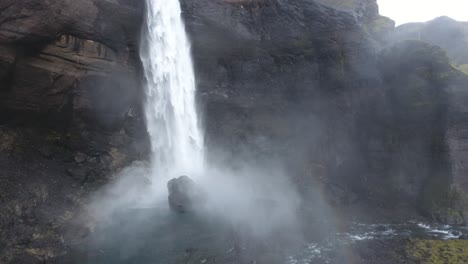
{"x": 159, "y": 236}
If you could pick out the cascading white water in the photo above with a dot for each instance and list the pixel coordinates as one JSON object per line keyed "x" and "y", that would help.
{"x": 172, "y": 121}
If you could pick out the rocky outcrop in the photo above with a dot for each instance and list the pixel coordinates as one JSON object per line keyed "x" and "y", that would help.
{"x": 111, "y": 22}
{"x": 184, "y": 194}
{"x": 447, "y": 33}
{"x": 363, "y": 10}
{"x": 366, "y": 13}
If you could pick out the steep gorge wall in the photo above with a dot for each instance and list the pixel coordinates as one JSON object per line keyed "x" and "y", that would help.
{"x": 73, "y": 65}
{"x": 294, "y": 82}
{"x": 452, "y": 36}
{"x": 309, "y": 86}
{"x": 70, "y": 103}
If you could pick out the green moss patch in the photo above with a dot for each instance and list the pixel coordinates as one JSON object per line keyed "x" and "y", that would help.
{"x": 439, "y": 251}
{"x": 463, "y": 68}
{"x": 382, "y": 24}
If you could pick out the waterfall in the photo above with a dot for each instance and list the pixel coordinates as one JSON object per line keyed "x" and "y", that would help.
{"x": 172, "y": 121}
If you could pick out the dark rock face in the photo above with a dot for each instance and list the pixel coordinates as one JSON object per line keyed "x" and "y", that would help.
{"x": 452, "y": 36}
{"x": 418, "y": 79}
{"x": 184, "y": 194}
{"x": 70, "y": 101}
{"x": 270, "y": 61}
{"x": 308, "y": 85}
{"x": 54, "y": 49}
{"x": 365, "y": 11}
{"x": 111, "y": 22}
{"x": 73, "y": 68}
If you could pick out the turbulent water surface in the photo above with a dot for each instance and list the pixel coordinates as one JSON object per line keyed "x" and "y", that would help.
{"x": 155, "y": 235}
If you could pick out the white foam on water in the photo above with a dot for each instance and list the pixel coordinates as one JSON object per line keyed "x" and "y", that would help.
{"x": 443, "y": 232}
{"x": 424, "y": 226}
{"x": 312, "y": 251}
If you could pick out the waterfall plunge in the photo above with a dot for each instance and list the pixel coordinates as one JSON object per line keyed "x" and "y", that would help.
{"x": 172, "y": 121}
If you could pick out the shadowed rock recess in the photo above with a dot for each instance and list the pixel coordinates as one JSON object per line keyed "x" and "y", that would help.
{"x": 374, "y": 118}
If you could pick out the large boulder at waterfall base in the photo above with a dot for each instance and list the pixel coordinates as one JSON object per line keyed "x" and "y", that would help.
{"x": 184, "y": 194}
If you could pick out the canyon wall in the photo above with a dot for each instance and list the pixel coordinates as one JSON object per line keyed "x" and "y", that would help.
{"x": 379, "y": 128}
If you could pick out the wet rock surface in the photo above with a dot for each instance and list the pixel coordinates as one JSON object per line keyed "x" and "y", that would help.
{"x": 184, "y": 194}
{"x": 63, "y": 131}
{"x": 276, "y": 74}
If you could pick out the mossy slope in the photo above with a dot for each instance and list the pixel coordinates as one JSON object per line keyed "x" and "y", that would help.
{"x": 439, "y": 251}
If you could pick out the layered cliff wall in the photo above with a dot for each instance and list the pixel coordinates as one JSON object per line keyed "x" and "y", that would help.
{"x": 307, "y": 84}
{"x": 70, "y": 100}
{"x": 315, "y": 87}
{"x": 72, "y": 66}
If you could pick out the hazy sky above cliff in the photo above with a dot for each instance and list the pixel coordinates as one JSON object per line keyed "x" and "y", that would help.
{"x": 404, "y": 11}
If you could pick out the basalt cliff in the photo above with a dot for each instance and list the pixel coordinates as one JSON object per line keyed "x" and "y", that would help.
{"x": 373, "y": 117}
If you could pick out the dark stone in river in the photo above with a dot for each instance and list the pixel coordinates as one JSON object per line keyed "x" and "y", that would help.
{"x": 184, "y": 194}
